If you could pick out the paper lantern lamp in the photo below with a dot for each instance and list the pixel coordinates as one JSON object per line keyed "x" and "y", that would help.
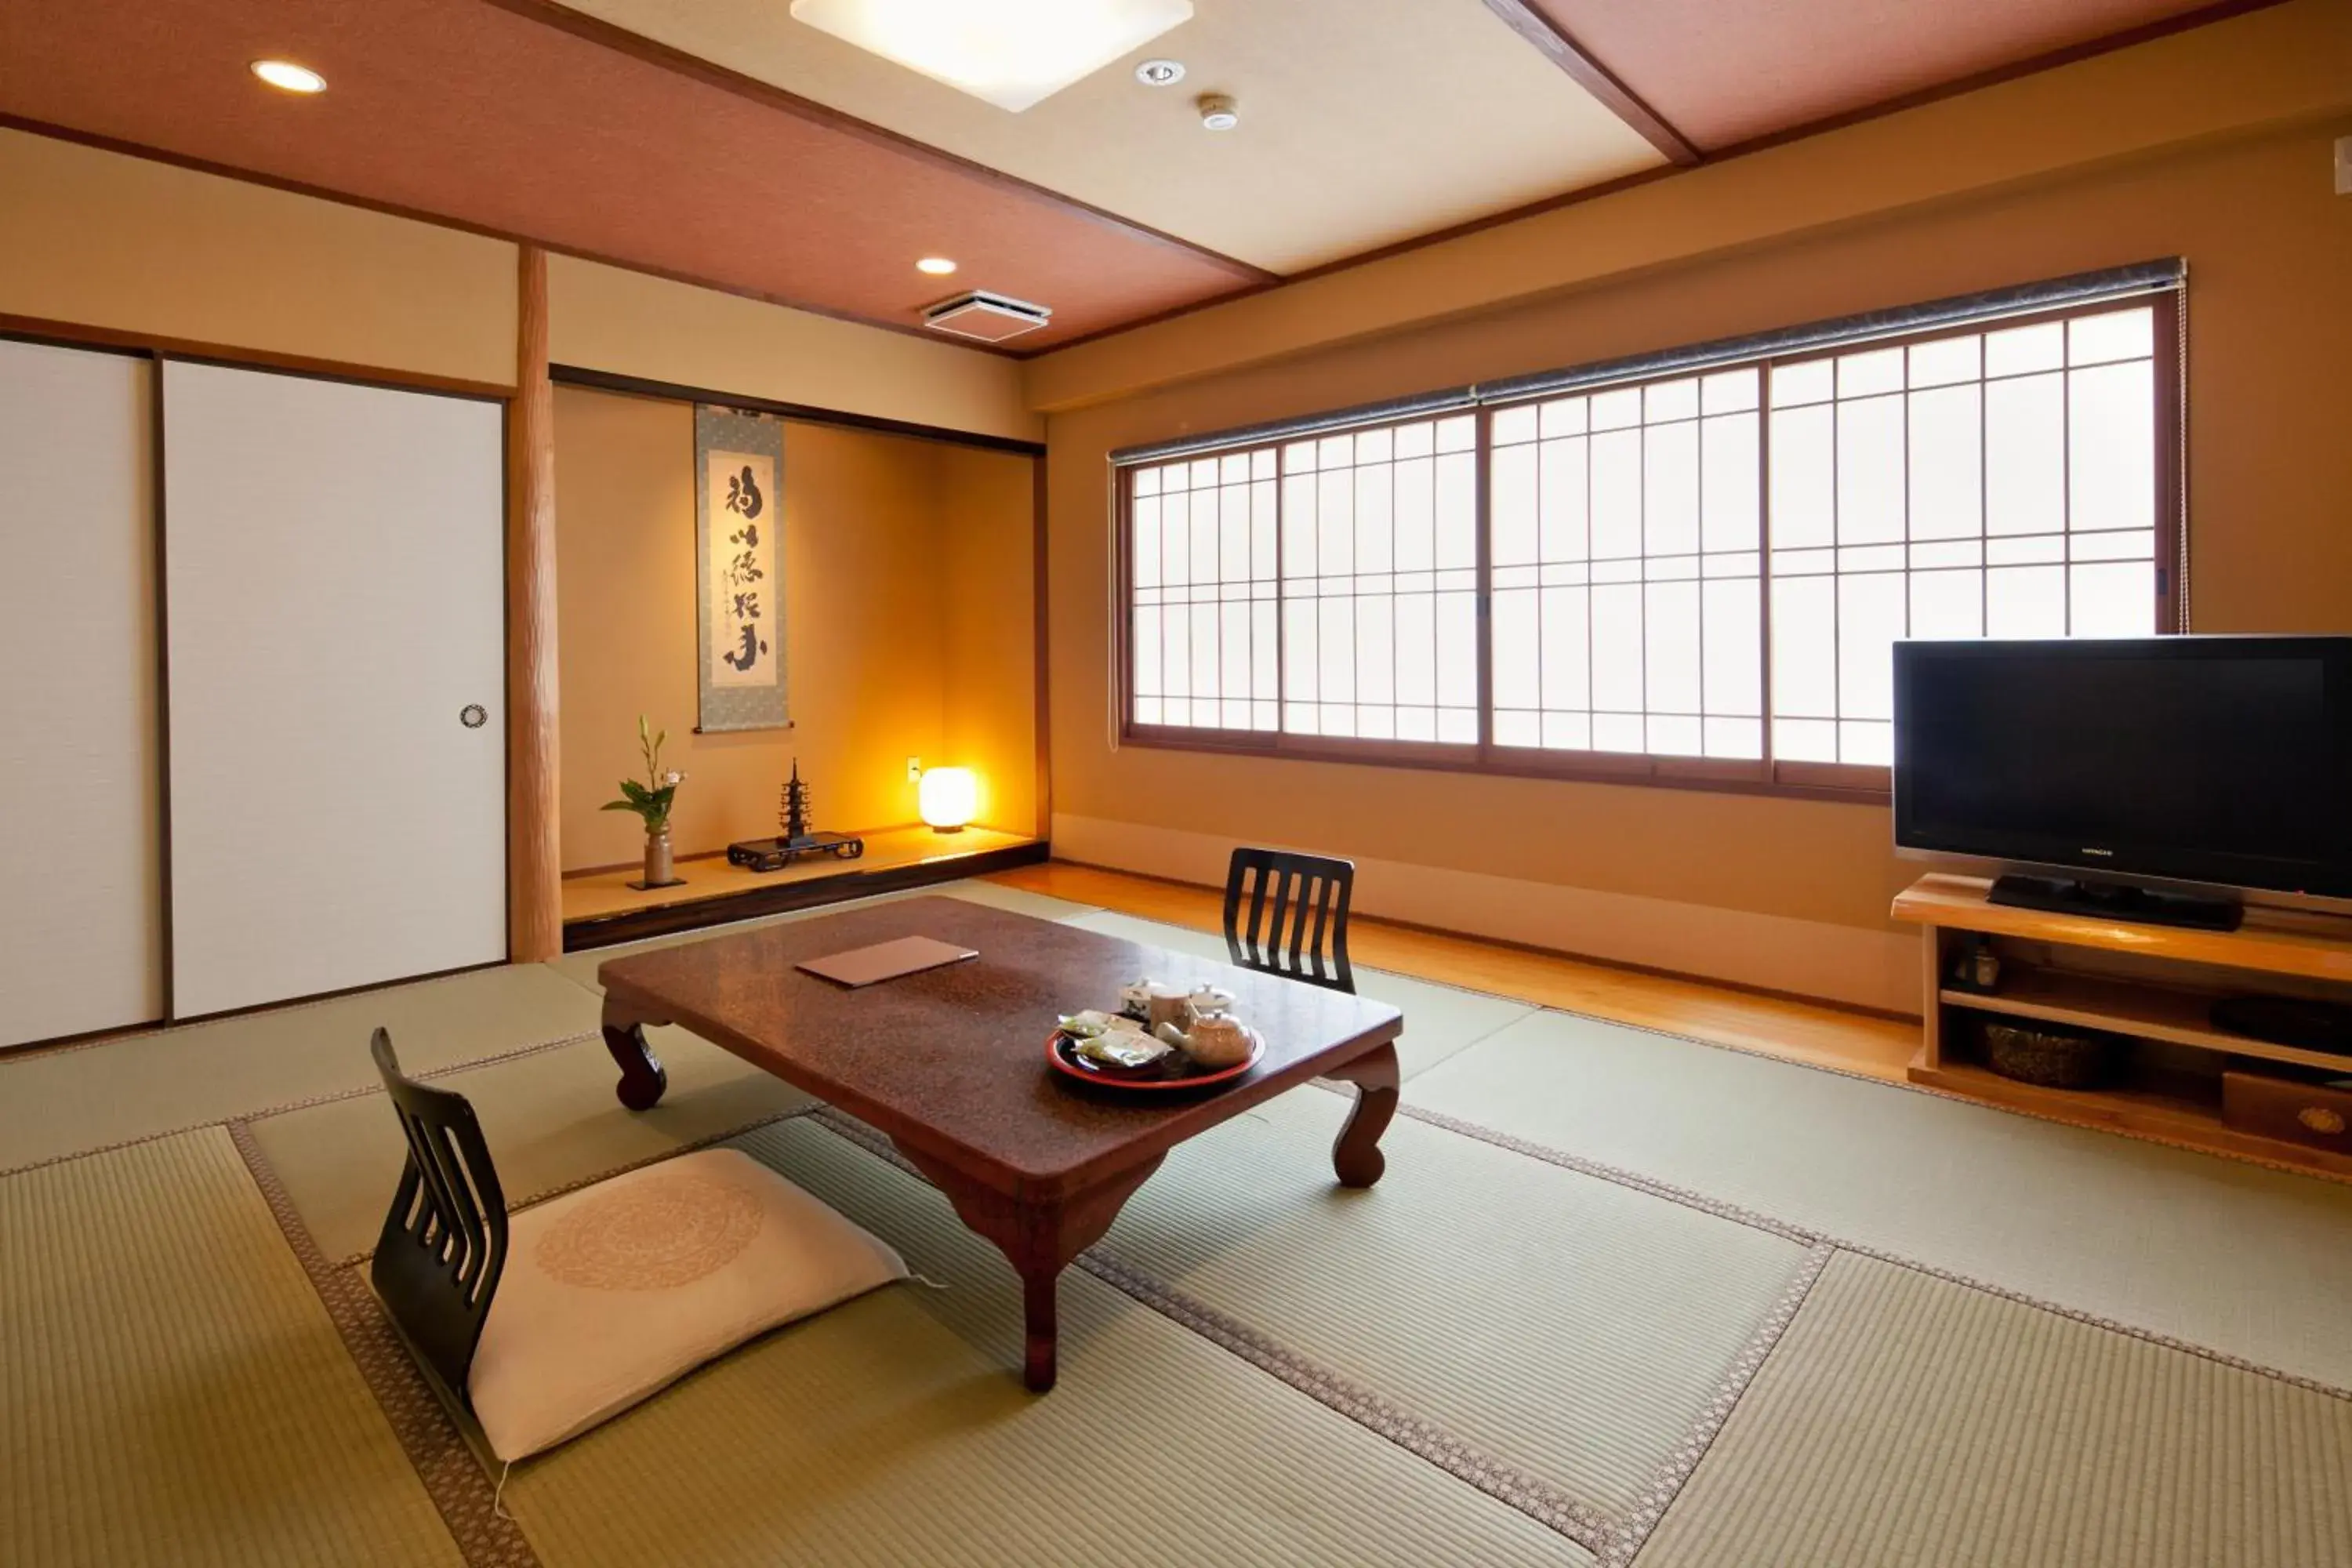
{"x": 948, "y": 798}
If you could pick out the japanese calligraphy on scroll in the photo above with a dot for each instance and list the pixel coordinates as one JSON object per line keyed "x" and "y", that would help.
{"x": 738, "y": 464}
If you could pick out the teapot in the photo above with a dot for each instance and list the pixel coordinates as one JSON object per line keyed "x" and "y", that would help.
{"x": 1217, "y": 1038}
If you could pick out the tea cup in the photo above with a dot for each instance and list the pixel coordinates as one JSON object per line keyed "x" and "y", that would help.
{"x": 1171, "y": 1005}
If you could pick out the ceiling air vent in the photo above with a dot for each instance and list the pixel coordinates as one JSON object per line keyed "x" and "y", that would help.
{"x": 991, "y": 317}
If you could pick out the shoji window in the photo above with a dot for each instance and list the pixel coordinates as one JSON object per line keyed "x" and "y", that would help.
{"x": 1319, "y": 588}
{"x": 1202, "y": 555}
{"x": 1626, "y": 573}
{"x": 1998, "y": 484}
{"x": 1379, "y": 583}
{"x": 1690, "y": 566}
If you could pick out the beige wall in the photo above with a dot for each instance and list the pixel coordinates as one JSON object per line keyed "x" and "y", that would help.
{"x": 987, "y": 503}
{"x": 1603, "y": 868}
{"x": 638, "y": 325}
{"x": 884, "y": 538}
{"x": 99, "y": 239}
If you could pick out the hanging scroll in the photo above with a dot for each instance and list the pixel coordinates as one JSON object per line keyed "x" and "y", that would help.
{"x": 739, "y": 464}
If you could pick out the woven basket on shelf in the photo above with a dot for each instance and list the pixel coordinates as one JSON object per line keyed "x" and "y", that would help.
{"x": 2052, "y": 1058}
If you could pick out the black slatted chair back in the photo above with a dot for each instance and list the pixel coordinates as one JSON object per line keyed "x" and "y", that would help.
{"x": 445, "y": 1240}
{"x": 1287, "y": 914}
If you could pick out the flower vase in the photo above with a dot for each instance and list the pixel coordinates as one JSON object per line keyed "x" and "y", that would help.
{"x": 657, "y": 857}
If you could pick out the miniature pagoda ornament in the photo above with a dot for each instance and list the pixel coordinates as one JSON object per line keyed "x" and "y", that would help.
{"x": 797, "y": 840}
{"x": 794, "y": 818}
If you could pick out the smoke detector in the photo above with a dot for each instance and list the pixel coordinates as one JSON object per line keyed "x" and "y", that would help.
{"x": 991, "y": 317}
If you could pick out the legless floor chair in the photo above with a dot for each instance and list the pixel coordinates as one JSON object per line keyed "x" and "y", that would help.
{"x": 1287, "y": 914}
{"x": 544, "y": 1323}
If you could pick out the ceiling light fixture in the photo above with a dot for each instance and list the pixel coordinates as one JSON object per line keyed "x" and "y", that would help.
{"x": 1218, "y": 112}
{"x": 937, "y": 265}
{"x": 1013, "y": 53}
{"x": 287, "y": 77}
{"x": 1159, "y": 73}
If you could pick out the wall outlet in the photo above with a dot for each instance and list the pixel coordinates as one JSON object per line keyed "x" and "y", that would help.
{"x": 914, "y": 770}
{"x": 2344, "y": 165}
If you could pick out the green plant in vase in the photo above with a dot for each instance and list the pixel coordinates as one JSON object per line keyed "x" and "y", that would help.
{"x": 651, "y": 801}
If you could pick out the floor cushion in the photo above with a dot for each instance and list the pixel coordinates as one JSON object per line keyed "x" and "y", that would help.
{"x": 615, "y": 1291}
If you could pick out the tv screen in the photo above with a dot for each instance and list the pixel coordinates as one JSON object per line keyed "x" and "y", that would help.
{"x": 2219, "y": 760}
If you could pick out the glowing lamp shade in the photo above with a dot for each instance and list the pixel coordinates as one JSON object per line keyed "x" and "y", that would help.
{"x": 948, "y": 797}
{"x": 1013, "y": 53}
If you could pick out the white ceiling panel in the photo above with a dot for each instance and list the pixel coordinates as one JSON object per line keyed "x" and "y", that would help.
{"x": 1362, "y": 122}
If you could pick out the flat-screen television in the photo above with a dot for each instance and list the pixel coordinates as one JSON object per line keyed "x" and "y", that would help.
{"x": 2219, "y": 760}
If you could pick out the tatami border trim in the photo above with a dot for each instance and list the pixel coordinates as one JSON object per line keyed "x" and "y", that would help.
{"x": 1541, "y": 1501}
{"x": 1546, "y": 1504}
{"x": 1666, "y": 1485}
{"x": 1859, "y": 1248}
{"x": 1615, "y": 1542}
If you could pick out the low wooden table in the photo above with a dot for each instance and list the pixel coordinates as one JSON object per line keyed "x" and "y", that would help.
{"x": 950, "y": 1064}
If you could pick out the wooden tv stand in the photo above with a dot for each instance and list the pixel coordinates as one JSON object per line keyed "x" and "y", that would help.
{"x": 2151, "y": 983}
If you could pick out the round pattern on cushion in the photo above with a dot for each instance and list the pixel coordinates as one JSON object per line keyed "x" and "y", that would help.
{"x": 656, "y": 1233}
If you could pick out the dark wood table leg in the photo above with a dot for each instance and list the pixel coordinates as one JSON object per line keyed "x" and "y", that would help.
{"x": 1356, "y": 1154}
{"x": 643, "y": 1080}
{"x": 1039, "y": 1240}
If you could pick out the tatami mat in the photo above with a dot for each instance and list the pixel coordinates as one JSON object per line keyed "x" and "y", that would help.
{"x": 2244, "y": 1259}
{"x": 1562, "y": 1324}
{"x": 1905, "y": 1420}
{"x": 1439, "y": 1020}
{"x": 550, "y": 1120}
{"x": 110, "y": 1091}
{"x": 893, "y": 1430}
{"x": 171, "y": 1390}
{"x": 1020, "y": 900}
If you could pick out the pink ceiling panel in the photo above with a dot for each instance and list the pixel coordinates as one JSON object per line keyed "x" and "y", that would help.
{"x": 463, "y": 111}
{"x": 1723, "y": 71}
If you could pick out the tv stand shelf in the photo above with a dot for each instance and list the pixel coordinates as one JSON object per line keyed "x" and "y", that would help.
{"x": 2171, "y": 1014}
{"x": 2151, "y": 983}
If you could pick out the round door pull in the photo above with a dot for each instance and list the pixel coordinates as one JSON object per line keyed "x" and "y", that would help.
{"x": 473, "y": 715}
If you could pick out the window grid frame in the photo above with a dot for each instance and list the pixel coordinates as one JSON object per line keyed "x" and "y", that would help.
{"x": 2168, "y": 557}
{"x": 1658, "y": 765}
{"x": 1770, "y": 774}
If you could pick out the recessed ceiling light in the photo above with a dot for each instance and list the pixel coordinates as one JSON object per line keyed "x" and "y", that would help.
{"x": 1159, "y": 73}
{"x": 287, "y": 77}
{"x": 937, "y": 265}
{"x": 1219, "y": 112}
{"x": 1013, "y": 53}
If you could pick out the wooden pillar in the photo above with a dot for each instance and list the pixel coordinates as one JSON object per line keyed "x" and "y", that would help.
{"x": 534, "y": 885}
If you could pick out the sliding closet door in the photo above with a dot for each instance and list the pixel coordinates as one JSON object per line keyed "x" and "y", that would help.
{"x": 335, "y": 628}
{"x": 80, "y": 901}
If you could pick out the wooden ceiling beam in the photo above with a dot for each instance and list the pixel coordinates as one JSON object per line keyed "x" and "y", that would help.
{"x": 1530, "y": 22}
